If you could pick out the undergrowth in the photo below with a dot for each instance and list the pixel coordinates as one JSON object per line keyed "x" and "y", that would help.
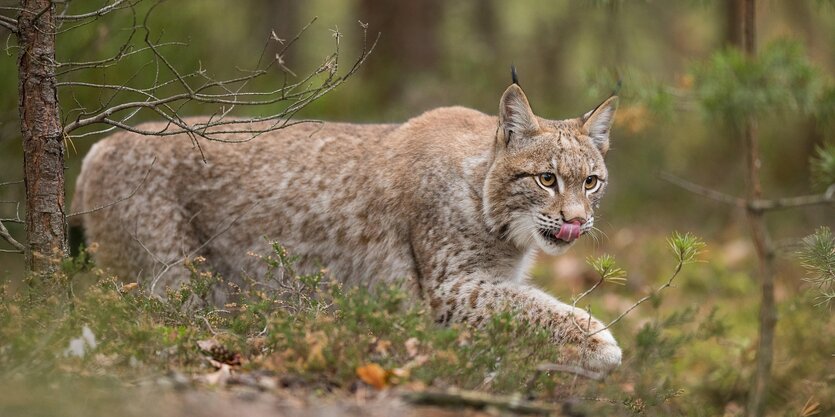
{"x": 308, "y": 331}
{"x": 305, "y": 328}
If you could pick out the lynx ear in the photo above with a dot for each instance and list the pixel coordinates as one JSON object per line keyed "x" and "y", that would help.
{"x": 598, "y": 122}
{"x": 515, "y": 115}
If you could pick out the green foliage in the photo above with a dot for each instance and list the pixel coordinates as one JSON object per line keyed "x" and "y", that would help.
{"x": 636, "y": 88}
{"x": 686, "y": 247}
{"x": 733, "y": 87}
{"x": 608, "y": 270}
{"x": 823, "y": 166}
{"x": 301, "y": 326}
{"x": 818, "y": 258}
{"x": 825, "y": 111}
{"x": 681, "y": 358}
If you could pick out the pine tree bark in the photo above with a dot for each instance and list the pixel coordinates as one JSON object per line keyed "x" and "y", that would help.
{"x": 408, "y": 43}
{"x": 762, "y": 241}
{"x": 43, "y": 145}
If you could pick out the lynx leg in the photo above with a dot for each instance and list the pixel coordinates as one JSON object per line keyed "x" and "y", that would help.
{"x": 144, "y": 246}
{"x": 473, "y": 299}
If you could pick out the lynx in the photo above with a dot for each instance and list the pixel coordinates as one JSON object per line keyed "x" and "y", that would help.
{"x": 454, "y": 201}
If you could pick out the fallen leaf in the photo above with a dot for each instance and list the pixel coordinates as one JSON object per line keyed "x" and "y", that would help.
{"x": 398, "y": 375}
{"x": 811, "y": 408}
{"x": 316, "y": 342}
{"x": 218, "y": 352}
{"x": 412, "y": 345}
{"x": 79, "y": 346}
{"x": 207, "y": 345}
{"x": 373, "y": 374}
{"x": 219, "y": 377}
{"x": 381, "y": 347}
{"x": 464, "y": 338}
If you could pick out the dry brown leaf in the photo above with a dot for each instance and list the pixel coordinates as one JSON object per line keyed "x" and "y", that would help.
{"x": 316, "y": 342}
{"x": 811, "y": 408}
{"x": 464, "y": 338}
{"x": 412, "y": 345}
{"x": 398, "y": 375}
{"x": 373, "y": 374}
{"x": 207, "y": 345}
{"x": 218, "y": 352}
{"x": 219, "y": 378}
{"x": 381, "y": 347}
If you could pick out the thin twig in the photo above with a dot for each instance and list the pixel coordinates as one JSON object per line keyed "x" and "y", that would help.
{"x": 479, "y": 400}
{"x": 125, "y": 198}
{"x": 227, "y": 93}
{"x": 3, "y": 184}
{"x": 7, "y": 23}
{"x": 116, "y": 5}
{"x": 756, "y": 205}
{"x": 4, "y": 233}
{"x": 642, "y": 300}
{"x": 792, "y": 202}
{"x": 574, "y": 304}
{"x": 571, "y": 369}
{"x": 169, "y": 265}
{"x": 703, "y": 191}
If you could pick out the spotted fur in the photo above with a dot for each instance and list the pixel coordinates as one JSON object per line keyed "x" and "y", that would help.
{"x": 448, "y": 201}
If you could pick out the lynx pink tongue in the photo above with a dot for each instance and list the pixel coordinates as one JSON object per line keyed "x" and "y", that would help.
{"x": 569, "y": 231}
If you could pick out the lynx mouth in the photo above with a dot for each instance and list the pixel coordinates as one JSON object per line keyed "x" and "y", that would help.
{"x": 550, "y": 236}
{"x": 567, "y": 233}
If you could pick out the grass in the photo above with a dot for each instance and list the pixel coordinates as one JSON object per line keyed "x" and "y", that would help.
{"x": 682, "y": 357}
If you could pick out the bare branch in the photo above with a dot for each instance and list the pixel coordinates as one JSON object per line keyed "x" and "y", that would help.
{"x": 583, "y": 295}
{"x": 168, "y": 265}
{"x": 127, "y": 197}
{"x": 116, "y": 5}
{"x": 228, "y": 94}
{"x": 125, "y": 50}
{"x": 793, "y": 202}
{"x": 9, "y": 23}
{"x": 755, "y": 205}
{"x": 460, "y": 398}
{"x": 571, "y": 369}
{"x": 4, "y": 233}
{"x": 3, "y": 184}
{"x": 669, "y": 282}
{"x": 703, "y": 191}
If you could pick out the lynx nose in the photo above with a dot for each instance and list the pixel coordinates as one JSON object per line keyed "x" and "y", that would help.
{"x": 579, "y": 221}
{"x": 574, "y": 212}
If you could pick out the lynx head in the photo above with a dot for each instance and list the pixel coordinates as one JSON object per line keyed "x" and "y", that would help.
{"x": 547, "y": 176}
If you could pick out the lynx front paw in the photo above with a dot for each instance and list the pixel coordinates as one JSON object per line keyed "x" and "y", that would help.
{"x": 601, "y": 353}
{"x": 592, "y": 349}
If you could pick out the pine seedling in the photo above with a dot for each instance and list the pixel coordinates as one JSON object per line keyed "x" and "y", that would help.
{"x": 817, "y": 256}
{"x": 608, "y": 270}
{"x": 823, "y": 166}
{"x": 686, "y": 247}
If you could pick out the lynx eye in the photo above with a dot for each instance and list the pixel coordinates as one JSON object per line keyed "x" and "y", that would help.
{"x": 591, "y": 182}
{"x": 547, "y": 179}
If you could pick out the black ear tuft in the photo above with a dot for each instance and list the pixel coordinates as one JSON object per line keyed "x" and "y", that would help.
{"x": 513, "y": 75}
{"x": 618, "y": 85}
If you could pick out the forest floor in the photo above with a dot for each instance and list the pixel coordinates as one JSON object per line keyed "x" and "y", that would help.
{"x": 180, "y": 399}
{"x": 89, "y": 344}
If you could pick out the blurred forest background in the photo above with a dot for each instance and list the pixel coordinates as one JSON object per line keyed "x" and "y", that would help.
{"x": 569, "y": 55}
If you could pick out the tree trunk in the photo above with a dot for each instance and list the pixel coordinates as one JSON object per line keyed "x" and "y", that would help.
{"x": 762, "y": 241}
{"x": 282, "y": 16}
{"x": 733, "y": 29}
{"x": 43, "y": 145}
{"x": 408, "y": 43}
